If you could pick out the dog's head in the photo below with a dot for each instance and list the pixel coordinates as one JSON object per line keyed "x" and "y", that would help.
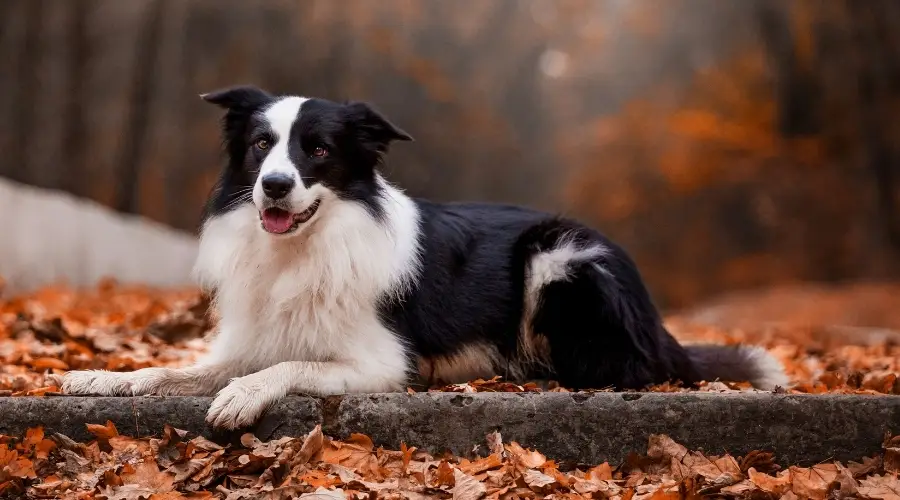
{"x": 291, "y": 156}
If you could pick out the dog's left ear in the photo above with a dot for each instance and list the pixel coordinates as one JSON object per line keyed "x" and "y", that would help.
{"x": 372, "y": 127}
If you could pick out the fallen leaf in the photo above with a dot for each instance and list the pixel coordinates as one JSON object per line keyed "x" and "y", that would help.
{"x": 445, "y": 474}
{"x": 813, "y": 482}
{"x": 103, "y": 432}
{"x": 527, "y": 458}
{"x": 491, "y": 461}
{"x": 884, "y": 487}
{"x": 775, "y": 485}
{"x": 466, "y": 487}
{"x": 33, "y": 436}
{"x": 147, "y": 475}
{"x": 127, "y": 492}
{"x": 312, "y": 444}
{"x": 22, "y": 468}
{"x": 325, "y": 494}
{"x": 602, "y": 472}
{"x": 664, "y": 447}
{"x": 49, "y": 363}
{"x": 536, "y": 480}
{"x": 864, "y": 468}
{"x": 495, "y": 442}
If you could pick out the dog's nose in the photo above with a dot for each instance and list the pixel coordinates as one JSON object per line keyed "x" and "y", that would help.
{"x": 277, "y": 186}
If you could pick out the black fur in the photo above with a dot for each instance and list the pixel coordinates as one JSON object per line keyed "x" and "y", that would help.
{"x": 603, "y": 331}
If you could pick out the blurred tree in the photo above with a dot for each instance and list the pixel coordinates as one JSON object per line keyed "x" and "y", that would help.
{"x": 725, "y": 144}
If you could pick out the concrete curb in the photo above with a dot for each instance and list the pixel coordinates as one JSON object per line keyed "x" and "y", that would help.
{"x": 584, "y": 428}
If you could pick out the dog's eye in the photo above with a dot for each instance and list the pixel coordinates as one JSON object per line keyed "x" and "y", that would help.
{"x": 262, "y": 144}
{"x": 320, "y": 152}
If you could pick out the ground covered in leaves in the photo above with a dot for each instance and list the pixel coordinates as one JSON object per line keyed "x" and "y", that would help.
{"x": 830, "y": 340}
{"x": 843, "y": 339}
{"x": 175, "y": 466}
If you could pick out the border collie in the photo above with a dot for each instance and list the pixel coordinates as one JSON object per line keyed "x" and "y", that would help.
{"x": 330, "y": 280}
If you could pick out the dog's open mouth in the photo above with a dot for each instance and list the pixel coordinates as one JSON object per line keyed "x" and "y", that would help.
{"x": 279, "y": 221}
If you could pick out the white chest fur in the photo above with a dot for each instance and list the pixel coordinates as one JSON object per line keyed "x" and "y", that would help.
{"x": 311, "y": 297}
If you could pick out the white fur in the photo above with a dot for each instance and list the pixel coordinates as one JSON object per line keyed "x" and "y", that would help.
{"x": 773, "y": 374}
{"x": 281, "y": 117}
{"x": 544, "y": 268}
{"x": 298, "y": 314}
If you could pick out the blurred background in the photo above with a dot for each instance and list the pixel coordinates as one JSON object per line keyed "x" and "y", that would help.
{"x": 727, "y": 145}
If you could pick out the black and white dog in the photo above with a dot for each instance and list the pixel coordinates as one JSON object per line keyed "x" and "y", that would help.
{"x": 329, "y": 280}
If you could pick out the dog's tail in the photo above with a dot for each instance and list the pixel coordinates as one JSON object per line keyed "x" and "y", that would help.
{"x": 738, "y": 363}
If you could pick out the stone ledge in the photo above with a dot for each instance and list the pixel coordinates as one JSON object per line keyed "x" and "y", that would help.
{"x": 588, "y": 428}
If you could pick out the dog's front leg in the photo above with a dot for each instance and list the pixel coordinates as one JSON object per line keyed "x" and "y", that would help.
{"x": 245, "y": 399}
{"x": 197, "y": 380}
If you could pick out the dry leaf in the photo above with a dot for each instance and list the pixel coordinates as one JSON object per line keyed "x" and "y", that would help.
{"x": 492, "y": 461}
{"x": 813, "y": 482}
{"x": 103, "y": 432}
{"x": 527, "y": 458}
{"x": 536, "y": 480}
{"x": 325, "y": 494}
{"x": 882, "y": 487}
{"x": 602, "y": 472}
{"x": 775, "y": 485}
{"x": 663, "y": 447}
{"x": 312, "y": 444}
{"x": 148, "y": 475}
{"x": 495, "y": 442}
{"x": 466, "y": 487}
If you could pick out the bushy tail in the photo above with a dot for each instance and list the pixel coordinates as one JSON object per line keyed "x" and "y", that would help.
{"x": 738, "y": 363}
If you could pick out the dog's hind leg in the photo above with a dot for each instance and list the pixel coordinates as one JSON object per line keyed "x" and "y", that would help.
{"x": 589, "y": 318}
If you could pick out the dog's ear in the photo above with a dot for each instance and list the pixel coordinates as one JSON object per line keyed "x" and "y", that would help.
{"x": 372, "y": 128}
{"x": 241, "y": 102}
{"x": 238, "y": 98}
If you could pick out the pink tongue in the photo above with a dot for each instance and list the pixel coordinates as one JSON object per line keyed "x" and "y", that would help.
{"x": 276, "y": 220}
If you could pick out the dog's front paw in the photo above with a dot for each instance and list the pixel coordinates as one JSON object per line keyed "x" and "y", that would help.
{"x": 239, "y": 404}
{"x": 95, "y": 382}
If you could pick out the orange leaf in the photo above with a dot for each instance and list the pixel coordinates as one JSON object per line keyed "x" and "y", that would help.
{"x": 7, "y": 456}
{"x": 602, "y": 472}
{"x": 491, "y": 461}
{"x": 360, "y": 440}
{"x": 43, "y": 449}
{"x": 49, "y": 363}
{"x": 33, "y": 436}
{"x": 21, "y": 468}
{"x": 103, "y": 431}
{"x": 769, "y": 484}
{"x": 444, "y": 475}
{"x": 529, "y": 459}
{"x": 407, "y": 455}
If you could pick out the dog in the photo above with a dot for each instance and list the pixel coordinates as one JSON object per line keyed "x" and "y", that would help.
{"x": 328, "y": 279}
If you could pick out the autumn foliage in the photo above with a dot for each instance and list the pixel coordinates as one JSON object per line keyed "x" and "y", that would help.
{"x": 840, "y": 339}
{"x": 115, "y": 467}
{"x": 830, "y": 339}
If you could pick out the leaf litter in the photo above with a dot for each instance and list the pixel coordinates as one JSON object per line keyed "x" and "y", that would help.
{"x": 173, "y": 466}
{"x": 124, "y": 328}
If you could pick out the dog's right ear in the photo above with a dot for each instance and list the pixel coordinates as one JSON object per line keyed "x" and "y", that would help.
{"x": 238, "y": 98}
